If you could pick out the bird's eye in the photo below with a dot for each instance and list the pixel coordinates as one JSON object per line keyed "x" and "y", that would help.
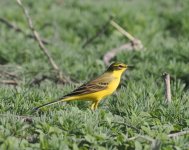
{"x": 119, "y": 67}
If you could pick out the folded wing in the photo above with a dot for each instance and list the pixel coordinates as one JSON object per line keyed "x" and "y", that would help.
{"x": 98, "y": 84}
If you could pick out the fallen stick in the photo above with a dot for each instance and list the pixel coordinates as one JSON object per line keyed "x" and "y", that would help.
{"x": 59, "y": 75}
{"x": 167, "y": 87}
{"x": 10, "y": 82}
{"x": 28, "y": 119}
{"x": 121, "y": 30}
{"x": 36, "y": 34}
{"x": 134, "y": 45}
{"x": 173, "y": 135}
{"x": 7, "y": 74}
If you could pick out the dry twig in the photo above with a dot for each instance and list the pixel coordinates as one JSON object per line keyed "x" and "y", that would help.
{"x": 173, "y": 135}
{"x": 9, "y": 82}
{"x": 8, "y": 74}
{"x": 167, "y": 87}
{"x": 17, "y": 29}
{"x": 28, "y": 119}
{"x": 60, "y": 75}
{"x": 121, "y": 30}
{"x": 36, "y": 34}
{"x": 8, "y": 78}
{"x": 134, "y": 44}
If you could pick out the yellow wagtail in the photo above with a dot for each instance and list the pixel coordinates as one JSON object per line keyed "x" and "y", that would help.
{"x": 97, "y": 89}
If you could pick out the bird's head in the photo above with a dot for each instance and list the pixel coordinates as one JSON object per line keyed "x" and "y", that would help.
{"x": 117, "y": 67}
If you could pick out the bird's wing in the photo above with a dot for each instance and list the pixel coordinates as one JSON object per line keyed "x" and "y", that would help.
{"x": 98, "y": 84}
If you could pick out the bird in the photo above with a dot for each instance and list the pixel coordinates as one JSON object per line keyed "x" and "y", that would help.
{"x": 96, "y": 89}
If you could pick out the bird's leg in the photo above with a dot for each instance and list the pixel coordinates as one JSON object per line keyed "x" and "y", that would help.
{"x": 93, "y": 105}
{"x": 96, "y": 105}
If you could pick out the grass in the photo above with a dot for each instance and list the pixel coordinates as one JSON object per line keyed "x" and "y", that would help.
{"x": 137, "y": 108}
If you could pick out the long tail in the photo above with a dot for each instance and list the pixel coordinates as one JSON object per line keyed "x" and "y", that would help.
{"x": 63, "y": 99}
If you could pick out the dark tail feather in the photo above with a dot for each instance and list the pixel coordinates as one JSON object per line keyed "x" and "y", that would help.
{"x": 50, "y": 103}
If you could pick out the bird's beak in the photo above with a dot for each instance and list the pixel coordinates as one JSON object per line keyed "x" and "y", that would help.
{"x": 130, "y": 67}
